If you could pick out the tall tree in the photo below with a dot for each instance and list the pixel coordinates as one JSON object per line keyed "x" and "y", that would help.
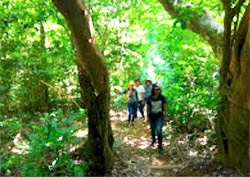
{"x": 231, "y": 45}
{"x": 234, "y": 108}
{"x": 94, "y": 83}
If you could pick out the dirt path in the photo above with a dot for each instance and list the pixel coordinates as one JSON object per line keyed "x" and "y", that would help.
{"x": 181, "y": 157}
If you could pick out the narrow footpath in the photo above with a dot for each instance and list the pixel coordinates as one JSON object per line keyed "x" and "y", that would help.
{"x": 182, "y": 155}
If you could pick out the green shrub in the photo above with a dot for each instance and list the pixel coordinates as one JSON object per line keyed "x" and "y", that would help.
{"x": 49, "y": 145}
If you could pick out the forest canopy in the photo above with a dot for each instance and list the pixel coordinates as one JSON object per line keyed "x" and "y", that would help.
{"x": 56, "y": 96}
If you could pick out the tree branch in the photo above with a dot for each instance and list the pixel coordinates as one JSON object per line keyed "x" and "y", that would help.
{"x": 204, "y": 24}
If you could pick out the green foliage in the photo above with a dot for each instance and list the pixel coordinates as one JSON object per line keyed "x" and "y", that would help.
{"x": 35, "y": 49}
{"x": 46, "y": 150}
{"x": 169, "y": 53}
{"x": 190, "y": 79}
{"x": 39, "y": 89}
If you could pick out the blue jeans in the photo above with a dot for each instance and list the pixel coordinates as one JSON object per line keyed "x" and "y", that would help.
{"x": 131, "y": 111}
{"x": 156, "y": 124}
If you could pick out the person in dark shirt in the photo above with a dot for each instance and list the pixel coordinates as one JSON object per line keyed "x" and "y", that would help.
{"x": 156, "y": 105}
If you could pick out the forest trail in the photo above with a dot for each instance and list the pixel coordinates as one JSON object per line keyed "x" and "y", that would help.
{"x": 183, "y": 155}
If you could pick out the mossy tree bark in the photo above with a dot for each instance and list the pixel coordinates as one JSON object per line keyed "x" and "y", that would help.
{"x": 93, "y": 78}
{"x": 232, "y": 47}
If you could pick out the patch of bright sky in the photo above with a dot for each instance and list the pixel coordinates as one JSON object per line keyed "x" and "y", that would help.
{"x": 50, "y": 26}
{"x": 135, "y": 36}
{"x": 114, "y": 23}
{"x": 107, "y": 9}
{"x": 117, "y": 23}
{"x": 32, "y": 38}
{"x": 154, "y": 59}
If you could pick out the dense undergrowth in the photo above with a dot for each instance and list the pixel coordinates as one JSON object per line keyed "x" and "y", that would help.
{"x": 45, "y": 144}
{"x": 41, "y": 144}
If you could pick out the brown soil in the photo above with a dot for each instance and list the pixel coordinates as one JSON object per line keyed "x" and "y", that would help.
{"x": 181, "y": 157}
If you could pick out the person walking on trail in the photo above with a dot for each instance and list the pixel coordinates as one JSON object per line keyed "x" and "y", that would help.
{"x": 132, "y": 101}
{"x": 148, "y": 89}
{"x": 156, "y": 109}
{"x": 141, "y": 101}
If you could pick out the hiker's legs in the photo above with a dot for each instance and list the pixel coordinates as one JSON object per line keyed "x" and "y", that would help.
{"x": 136, "y": 109}
{"x": 141, "y": 108}
{"x": 130, "y": 112}
{"x": 153, "y": 129}
{"x": 159, "y": 125}
{"x": 133, "y": 111}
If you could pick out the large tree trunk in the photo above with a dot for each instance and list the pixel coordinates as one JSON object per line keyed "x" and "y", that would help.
{"x": 93, "y": 81}
{"x": 233, "y": 116}
{"x": 232, "y": 126}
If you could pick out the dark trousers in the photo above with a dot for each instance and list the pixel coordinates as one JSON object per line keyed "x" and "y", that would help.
{"x": 131, "y": 111}
{"x": 156, "y": 124}
{"x": 140, "y": 106}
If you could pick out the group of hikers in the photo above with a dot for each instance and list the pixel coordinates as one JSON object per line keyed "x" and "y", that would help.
{"x": 149, "y": 94}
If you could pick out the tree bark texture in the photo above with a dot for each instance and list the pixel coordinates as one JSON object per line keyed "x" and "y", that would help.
{"x": 232, "y": 125}
{"x": 93, "y": 78}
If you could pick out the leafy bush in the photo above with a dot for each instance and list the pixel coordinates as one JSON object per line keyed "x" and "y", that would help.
{"x": 46, "y": 149}
{"x": 48, "y": 152}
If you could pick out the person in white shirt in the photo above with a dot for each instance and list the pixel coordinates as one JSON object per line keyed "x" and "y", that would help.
{"x": 141, "y": 97}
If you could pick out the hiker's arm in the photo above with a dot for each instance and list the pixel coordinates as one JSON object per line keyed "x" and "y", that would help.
{"x": 147, "y": 109}
{"x": 143, "y": 98}
{"x": 165, "y": 116}
{"x": 148, "y": 112}
{"x": 164, "y": 108}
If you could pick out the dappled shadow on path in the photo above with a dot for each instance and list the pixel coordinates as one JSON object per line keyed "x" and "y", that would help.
{"x": 181, "y": 156}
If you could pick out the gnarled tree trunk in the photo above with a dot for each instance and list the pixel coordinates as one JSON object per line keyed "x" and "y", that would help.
{"x": 93, "y": 77}
{"x": 234, "y": 108}
{"x": 232, "y": 126}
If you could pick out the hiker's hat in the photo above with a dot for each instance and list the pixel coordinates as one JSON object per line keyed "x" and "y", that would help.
{"x": 148, "y": 80}
{"x": 156, "y": 85}
{"x": 131, "y": 83}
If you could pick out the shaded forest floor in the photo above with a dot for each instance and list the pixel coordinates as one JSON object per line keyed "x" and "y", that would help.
{"x": 183, "y": 155}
